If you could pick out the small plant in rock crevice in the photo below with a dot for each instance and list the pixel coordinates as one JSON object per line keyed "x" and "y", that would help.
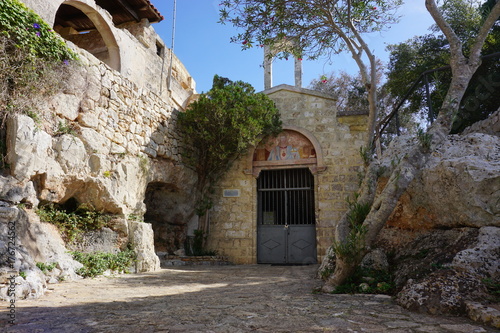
{"x": 72, "y": 224}
{"x": 64, "y": 128}
{"x": 493, "y": 288}
{"x": 97, "y": 263}
{"x": 46, "y": 267}
{"x": 424, "y": 138}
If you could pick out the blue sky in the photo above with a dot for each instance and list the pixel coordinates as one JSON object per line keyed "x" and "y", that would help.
{"x": 204, "y": 48}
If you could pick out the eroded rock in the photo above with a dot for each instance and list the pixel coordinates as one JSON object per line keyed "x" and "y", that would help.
{"x": 445, "y": 291}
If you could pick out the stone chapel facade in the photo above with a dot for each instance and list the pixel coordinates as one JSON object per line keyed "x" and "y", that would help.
{"x": 280, "y": 204}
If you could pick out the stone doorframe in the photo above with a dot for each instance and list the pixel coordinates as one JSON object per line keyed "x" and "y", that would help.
{"x": 318, "y": 166}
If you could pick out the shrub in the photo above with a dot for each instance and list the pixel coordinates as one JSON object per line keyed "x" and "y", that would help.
{"x": 72, "y": 223}
{"x": 97, "y": 263}
{"x": 353, "y": 246}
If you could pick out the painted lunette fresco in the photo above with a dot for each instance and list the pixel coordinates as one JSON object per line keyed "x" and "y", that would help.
{"x": 289, "y": 147}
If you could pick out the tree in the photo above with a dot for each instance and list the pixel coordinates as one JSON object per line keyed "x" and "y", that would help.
{"x": 219, "y": 127}
{"x": 352, "y": 97}
{"x": 316, "y": 27}
{"x": 317, "y": 20}
{"x": 349, "y": 90}
{"x": 408, "y": 60}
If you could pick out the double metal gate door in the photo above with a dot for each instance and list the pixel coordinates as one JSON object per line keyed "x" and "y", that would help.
{"x": 286, "y": 230}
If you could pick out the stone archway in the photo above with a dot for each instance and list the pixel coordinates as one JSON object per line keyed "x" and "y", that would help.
{"x": 84, "y": 26}
{"x": 284, "y": 167}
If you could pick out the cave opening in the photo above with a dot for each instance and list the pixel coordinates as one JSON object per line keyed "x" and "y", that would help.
{"x": 166, "y": 210}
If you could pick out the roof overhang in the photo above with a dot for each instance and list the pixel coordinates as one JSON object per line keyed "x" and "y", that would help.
{"x": 122, "y": 11}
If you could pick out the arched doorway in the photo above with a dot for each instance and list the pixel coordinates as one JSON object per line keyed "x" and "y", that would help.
{"x": 286, "y": 219}
{"x": 82, "y": 25}
{"x": 286, "y": 223}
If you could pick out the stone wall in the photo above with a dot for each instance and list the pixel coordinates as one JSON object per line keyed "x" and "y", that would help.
{"x": 233, "y": 221}
{"x": 131, "y": 49}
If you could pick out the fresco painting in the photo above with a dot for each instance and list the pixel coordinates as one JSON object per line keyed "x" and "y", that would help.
{"x": 288, "y": 145}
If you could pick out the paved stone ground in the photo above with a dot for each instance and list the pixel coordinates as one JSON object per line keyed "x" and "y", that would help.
{"x": 254, "y": 298}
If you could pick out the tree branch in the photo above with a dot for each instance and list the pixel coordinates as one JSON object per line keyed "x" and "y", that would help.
{"x": 455, "y": 43}
{"x": 475, "y": 53}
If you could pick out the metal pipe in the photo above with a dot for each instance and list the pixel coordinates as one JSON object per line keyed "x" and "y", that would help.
{"x": 169, "y": 82}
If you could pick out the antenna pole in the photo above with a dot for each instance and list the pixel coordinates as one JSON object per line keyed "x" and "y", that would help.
{"x": 169, "y": 82}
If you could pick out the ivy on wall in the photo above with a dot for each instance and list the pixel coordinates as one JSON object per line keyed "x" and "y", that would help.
{"x": 30, "y": 33}
{"x": 35, "y": 62}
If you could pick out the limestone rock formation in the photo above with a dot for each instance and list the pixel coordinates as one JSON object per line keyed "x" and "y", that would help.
{"x": 444, "y": 233}
{"x": 34, "y": 242}
{"x": 459, "y": 187}
{"x": 141, "y": 236}
{"x": 444, "y": 291}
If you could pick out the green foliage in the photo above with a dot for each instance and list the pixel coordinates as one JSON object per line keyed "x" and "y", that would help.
{"x": 196, "y": 248}
{"x": 72, "y": 223}
{"x": 352, "y": 248}
{"x": 221, "y": 125}
{"x": 325, "y": 273}
{"x": 204, "y": 204}
{"x": 367, "y": 281}
{"x": 357, "y": 212}
{"x": 424, "y": 138}
{"x": 45, "y": 267}
{"x": 421, "y": 53}
{"x": 34, "y": 62}
{"x": 493, "y": 288}
{"x": 31, "y": 34}
{"x": 143, "y": 163}
{"x": 22, "y": 274}
{"x": 366, "y": 155}
{"x": 64, "y": 128}
{"x": 97, "y": 263}
{"x": 315, "y": 27}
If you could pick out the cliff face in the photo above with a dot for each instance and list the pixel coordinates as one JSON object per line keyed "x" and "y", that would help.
{"x": 443, "y": 239}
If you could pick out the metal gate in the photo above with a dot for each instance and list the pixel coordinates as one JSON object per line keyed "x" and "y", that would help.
{"x": 286, "y": 230}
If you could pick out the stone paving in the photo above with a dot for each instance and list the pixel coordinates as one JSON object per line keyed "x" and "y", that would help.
{"x": 251, "y": 298}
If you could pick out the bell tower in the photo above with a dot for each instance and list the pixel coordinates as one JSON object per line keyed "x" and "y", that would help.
{"x": 269, "y": 55}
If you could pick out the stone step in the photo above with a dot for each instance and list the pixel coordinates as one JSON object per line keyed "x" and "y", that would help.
{"x": 168, "y": 260}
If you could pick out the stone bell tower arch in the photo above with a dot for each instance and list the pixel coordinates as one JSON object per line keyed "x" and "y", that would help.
{"x": 270, "y": 53}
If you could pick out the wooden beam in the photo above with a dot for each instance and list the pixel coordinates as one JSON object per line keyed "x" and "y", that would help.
{"x": 129, "y": 9}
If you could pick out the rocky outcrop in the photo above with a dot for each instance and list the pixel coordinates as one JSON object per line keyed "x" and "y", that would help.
{"x": 490, "y": 126}
{"x": 459, "y": 187}
{"x": 141, "y": 239}
{"x": 25, "y": 241}
{"x": 443, "y": 237}
{"x": 445, "y": 291}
